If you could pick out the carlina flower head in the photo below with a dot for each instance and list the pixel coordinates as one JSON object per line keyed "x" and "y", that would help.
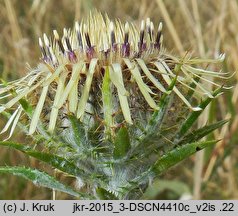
{"x": 102, "y": 69}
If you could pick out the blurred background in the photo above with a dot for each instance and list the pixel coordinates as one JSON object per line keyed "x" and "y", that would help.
{"x": 203, "y": 28}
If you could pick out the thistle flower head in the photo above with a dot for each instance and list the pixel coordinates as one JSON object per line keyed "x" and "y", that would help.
{"x": 103, "y": 69}
{"x": 98, "y": 37}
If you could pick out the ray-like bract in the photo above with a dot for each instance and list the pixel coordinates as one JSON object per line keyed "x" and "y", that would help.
{"x": 85, "y": 92}
{"x": 167, "y": 79}
{"x": 189, "y": 79}
{"x": 145, "y": 90}
{"x": 150, "y": 76}
{"x": 55, "y": 107}
{"x": 20, "y": 96}
{"x": 10, "y": 120}
{"x": 72, "y": 81}
{"x": 117, "y": 80}
{"x": 14, "y": 124}
{"x": 38, "y": 110}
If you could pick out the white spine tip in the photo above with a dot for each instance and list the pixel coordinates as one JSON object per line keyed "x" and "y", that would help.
{"x": 209, "y": 95}
{"x": 111, "y": 26}
{"x": 65, "y": 32}
{"x": 2, "y": 109}
{"x": 77, "y": 28}
{"x": 56, "y": 35}
{"x": 161, "y": 39}
{"x": 222, "y": 57}
{"x": 142, "y": 26}
{"x": 40, "y": 42}
{"x": 160, "y": 27}
{"x": 127, "y": 27}
{"x": 85, "y": 28}
{"x": 54, "y": 60}
{"x": 152, "y": 26}
{"x": 46, "y": 40}
{"x": 65, "y": 45}
{"x": 105, "y": 47}
{"x": 148, "y": 22}
{"x": 196, "y": 109}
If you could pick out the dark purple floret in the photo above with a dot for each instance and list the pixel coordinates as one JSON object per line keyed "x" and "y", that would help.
{"x": 125, "y": 49}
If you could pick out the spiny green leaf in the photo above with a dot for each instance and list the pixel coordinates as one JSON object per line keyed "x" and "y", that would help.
{"x": 17, "y": 146}
{"x": 54, "y": 160}
{"x": 194, "y": 116}
{"x": 39, "y": 178}
{"x": 105, "y": 195}
{"x": 178, "y": 154}
{"x": 78, "y": 130}
{"x": 122, "y": 143}
{"x": 202, "y": 132}
{"x": 192, "y": 88}
{"x": 158, "y": 115}
{"x": 168, "y": 160}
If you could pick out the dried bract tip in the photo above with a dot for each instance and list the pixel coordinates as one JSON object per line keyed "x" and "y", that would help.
{"x": 160, "y": 27}
{"x": 159, "y": 36}
{"x": 46, "y": 40}
{"x": 79, "y": 36}
{"x": 53, "y": 57}
{"x": 85, "y": 28}
{"x": 148, "y": 24}
{"x": 142, "y": 26}
{"x": 56, "y": 35}
{"x": 111, "y": 27}
{"x": 142, "y": 33}
{"x": 126, "y": 33}
{"x": 77, "y": 27}
{"x": 44, "y": 55}
{"x": 222, "y": 57}
{"x": 65, "y": 32}
{"x": 57, "y": 38}
{"x": 112, "y": 34}
{"x": 40, "y": 42}
{"x": 126, "y": 28}
{"x": 67, "y": 42}
{"x": 161, "y": 40}
{"x": 152, "y": 27}
{"x": 87, "y": 38}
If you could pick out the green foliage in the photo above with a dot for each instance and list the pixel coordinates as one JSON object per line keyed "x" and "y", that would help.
{"x": 122, "y": 143}
{"x": 39, "y": 178}
{"x": 105, "y": 195}
{"x": 178, "y": 154}
{"x": 51, "y": 159}
{"x": 201, "y": 132}
{"x": 78, "y": 131}
{"x": 194, "y": 115}
{"x": 118, "y": 166}
{"x": 158, "y": 115}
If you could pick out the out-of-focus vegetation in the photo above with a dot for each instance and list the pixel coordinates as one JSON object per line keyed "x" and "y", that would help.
{"x": 204, "y": 28}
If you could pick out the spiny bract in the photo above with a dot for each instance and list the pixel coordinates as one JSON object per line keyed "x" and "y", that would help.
{"x": 102, "y": 54}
